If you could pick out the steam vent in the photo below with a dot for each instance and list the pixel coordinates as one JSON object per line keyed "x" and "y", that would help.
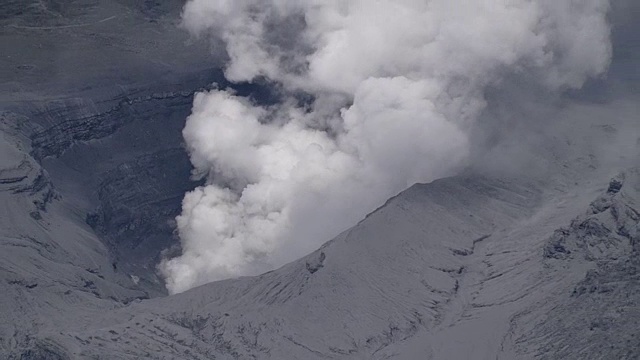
{"x": 320, "y": 179}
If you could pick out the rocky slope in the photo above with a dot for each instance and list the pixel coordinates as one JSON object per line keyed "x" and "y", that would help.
{"x": 99, "y": 91}
{"x": 93, "y": 94}
{"x": 467, "y": 267}
{"x": 472, "y": 266}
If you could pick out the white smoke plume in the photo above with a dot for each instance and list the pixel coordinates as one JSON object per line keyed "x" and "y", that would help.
{"x": 396, "y": 85}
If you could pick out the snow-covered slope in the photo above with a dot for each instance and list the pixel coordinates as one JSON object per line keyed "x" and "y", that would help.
{"x": 473, "y": 266}
{"x": 54, "y": 272}
{"x": 466, "y": 267}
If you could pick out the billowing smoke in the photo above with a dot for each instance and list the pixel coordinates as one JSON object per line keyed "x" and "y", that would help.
{"x": 395, "y": 86}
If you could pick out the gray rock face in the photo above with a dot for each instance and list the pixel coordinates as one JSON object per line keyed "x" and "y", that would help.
{"x": 124, "y": 157}
{"x": 76, "y": 120}
{"x": 113, "y": 144}
{"x": 130, "y": 162}
{"x": 100, "y": 99}
{"x": 21, "y": 174}
{"x": 51, "y": 267}
{"x": 93, "y": 98}
{"x": 138, "y": 202}
{"x": 599, "y": 317}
